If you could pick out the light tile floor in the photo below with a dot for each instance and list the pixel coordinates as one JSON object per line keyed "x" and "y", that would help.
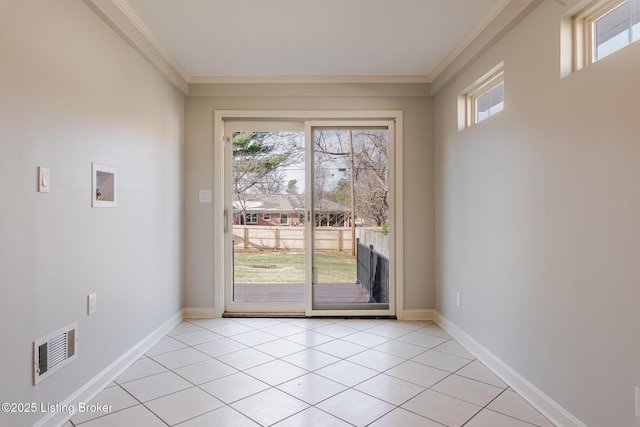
{"x": 309, "y": 372}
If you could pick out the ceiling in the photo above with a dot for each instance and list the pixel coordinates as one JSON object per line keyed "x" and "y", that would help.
{"x": 312, "y": 38}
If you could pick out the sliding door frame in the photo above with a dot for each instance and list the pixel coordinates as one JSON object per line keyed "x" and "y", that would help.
{"x": 221, "y": 220}
{"x": 347, "y": 309}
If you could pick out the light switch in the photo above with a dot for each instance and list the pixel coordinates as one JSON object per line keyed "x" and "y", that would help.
{"x": 43, "y": 179}
{"x": 205, "y": 196}
{"x": 92, "y": 305}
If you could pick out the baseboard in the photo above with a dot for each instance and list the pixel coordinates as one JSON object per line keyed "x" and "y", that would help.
{"x": 418, "y": 315}
{"x": 539, "y": 400}
{"x": 110, "y": 373}
{"x": 200, "y": 313}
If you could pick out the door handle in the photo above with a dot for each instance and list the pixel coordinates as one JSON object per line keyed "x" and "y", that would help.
{"x": 226, "y": 220}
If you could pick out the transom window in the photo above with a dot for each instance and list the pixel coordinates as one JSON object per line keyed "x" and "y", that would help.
{"x": 483, "y": 99}
{"x": 605, "y": 27}
{"x": 489, "y": 103}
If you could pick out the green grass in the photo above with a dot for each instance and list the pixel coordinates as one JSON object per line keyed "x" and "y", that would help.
{"x": 288, "y": 267}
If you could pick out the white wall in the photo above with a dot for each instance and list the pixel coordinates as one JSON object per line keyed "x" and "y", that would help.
{"x": 537, "y": 224}
{"x": 418, "y": 170}
{"x": 71, "y": 93}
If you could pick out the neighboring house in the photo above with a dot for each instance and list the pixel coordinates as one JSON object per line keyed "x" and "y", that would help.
{"x": 287, "y": 209}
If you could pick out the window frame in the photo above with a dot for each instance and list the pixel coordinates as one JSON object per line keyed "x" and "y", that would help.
{"x": 285, "y": 217}
{"x": 251, "y": 218}
{"x": 583, "y": 37}
{"x": 266, "y": 216}
{"x": 482, "y": 86}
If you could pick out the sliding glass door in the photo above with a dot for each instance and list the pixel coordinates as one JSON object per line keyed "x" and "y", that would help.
{"x": 309, "y": 217}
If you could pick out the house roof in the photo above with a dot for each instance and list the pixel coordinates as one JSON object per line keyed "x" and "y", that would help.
{"x": 285, "y": 203}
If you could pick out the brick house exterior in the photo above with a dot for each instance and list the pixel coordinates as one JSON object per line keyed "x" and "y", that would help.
{"x": 286, "y": 209}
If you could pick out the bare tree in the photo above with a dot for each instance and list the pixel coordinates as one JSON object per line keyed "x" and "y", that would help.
{"x": 271, "y": 183}
{"x": 372, "y": 176}
{"x": 364, "y": 154}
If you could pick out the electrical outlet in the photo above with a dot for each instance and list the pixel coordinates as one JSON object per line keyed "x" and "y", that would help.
{"x": 459, "y": 299}
{"x": 637, "y": 401}
{"x": 91, "y": 304}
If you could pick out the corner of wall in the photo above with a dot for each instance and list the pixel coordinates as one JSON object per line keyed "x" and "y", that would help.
{"x": 425, "y": 314}
{"x": 200, "y": 313}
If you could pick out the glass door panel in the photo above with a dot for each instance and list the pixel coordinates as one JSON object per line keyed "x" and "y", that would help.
{"x": 350, "y": 218}
{"x": 266, "y": 206}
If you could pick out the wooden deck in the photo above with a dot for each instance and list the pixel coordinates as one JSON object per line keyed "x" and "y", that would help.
{"x": 325, "y": 293}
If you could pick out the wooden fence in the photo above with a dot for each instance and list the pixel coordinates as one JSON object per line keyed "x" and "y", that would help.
{"x": 256, "y": 237}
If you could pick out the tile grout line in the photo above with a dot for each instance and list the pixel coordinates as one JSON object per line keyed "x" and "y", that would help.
{"x": 362, "y": 328}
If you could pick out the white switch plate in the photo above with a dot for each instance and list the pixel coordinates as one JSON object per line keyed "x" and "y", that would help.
{"x": 637, "y": 401}
{"x": 205, "y": 196}
{"x": 43, "y": 179}
{"x": 458, "y": 299}
{"x": 91, "y": 304}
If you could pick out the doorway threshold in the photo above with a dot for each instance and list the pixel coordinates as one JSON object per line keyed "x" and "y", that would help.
{"x": 301, "y": 316}
{"x": 260, "y": 314}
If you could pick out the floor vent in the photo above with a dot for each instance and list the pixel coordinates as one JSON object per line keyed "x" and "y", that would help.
{"x": 54, "y": 351}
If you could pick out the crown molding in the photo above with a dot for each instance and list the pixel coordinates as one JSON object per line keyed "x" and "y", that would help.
{"x": 119, "y": 15}
{"x": 495, "y": 10}
{"x": 310, "y": 79}
{"x": 299, "y": 89}
{"x": 128, "y": 11}
{"x": 504, "y": 17}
